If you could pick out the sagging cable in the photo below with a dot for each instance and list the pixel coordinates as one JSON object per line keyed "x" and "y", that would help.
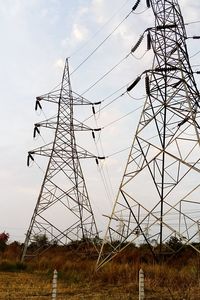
{"x": 136, "y": 5}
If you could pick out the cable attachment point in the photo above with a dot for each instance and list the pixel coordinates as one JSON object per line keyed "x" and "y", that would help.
{"x": 93, "y": 110}
{"x": 93, "y": 132}
{"x": 37, "y": 103}
{"x": 135, "y": 82}
{"x": 148, "y": 3}
{"x": 136, "y": 5}
{"x": 148, "y": 41}
{"x": 176, "y": 84}
{"x": 137, "y": 44}
{"x": 36, "y": 130}
{"x": 166, "y": 69}
{"x": 183, "y": 122}
{"x": 167, "y": 26}
{"x": 93, "y": 135}
{"x": 29, "y": 158}
{"x": 97, "y": 158}
{"x": 147, "y": 84}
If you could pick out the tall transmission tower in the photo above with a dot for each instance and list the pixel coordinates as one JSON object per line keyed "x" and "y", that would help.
{"x": 159, "y": 192}
{"x": 63, "y": 211}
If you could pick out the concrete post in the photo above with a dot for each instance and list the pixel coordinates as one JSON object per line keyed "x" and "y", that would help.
{"x": 141, "y": 284}
{"x": 54, "y": 285}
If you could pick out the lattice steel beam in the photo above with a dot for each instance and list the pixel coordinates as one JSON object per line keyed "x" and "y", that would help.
{"x": 161, "y": 178}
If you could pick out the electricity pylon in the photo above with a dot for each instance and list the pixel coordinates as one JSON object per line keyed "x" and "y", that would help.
{"x": 160, "y": 187}
{"x": 63, "y": 211}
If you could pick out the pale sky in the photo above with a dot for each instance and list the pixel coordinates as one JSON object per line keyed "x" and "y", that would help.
{"x": 36, "y": 37}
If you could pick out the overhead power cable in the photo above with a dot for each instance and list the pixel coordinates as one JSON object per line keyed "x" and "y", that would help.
{"x": 115, "y": 99}
{"x": 106, "y": 181}
{"x": 115, "y": 66}
{"x": 132, "y": 11}
{"x": 99, "y": 30}
{"x": 193, "y": 22}
{"x": 120, "y": 151}
{"x": 101, "y": 43}
{"x": 195, "y": 54}
{"x": 122, "y": 117}
{"x": 120, "y": 89}
{"x": 188, "y": 23}
{"x": 109, "y": 103}
{"x": 141, "y": 12}
{"x": 108, "y": 72}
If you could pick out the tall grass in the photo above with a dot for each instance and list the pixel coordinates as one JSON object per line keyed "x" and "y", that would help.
{"x": 174, "y": 280}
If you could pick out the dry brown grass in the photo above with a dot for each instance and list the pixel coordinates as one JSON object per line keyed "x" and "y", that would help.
{"x": 112, "y": 282}
{"x": 117, "y": 280}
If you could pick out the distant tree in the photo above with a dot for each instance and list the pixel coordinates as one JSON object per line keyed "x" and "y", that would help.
{"x": 174, "y": 243}
{"x": 3, "y": 241}
{"x": 41, "y": 240}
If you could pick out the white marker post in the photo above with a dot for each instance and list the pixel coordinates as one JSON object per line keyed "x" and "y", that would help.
{"x": 54, "y": 285}
{"x": 141, "y": 284}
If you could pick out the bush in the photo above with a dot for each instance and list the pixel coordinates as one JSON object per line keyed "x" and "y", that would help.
{"x": 8, "y": 266}
{"x": 3, "y": 241}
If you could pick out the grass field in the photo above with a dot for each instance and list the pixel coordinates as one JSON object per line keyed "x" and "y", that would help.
{"x": 160, "y": 284}
{"x": 175, "y": 280}
{"x": 38, "y": 286}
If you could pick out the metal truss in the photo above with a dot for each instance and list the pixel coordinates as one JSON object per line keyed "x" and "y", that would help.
{"x": 158, "y": 196}
{"x": 63, "y": 211}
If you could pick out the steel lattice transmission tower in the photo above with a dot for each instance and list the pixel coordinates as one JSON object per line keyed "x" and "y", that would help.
{"x": 160, "y": 187}
{"x": 63, "y": 211}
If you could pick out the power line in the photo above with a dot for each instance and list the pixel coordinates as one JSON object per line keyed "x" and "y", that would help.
{"x": 194, "y": 22}
{"x": 124, "y": 116}
{"x": 195, "y": 54}
{"x": 101, "y": 43}
{"x": 115, "y": 99}
{"x": 108, "y": 72}
{"x": 98, "y": 30}
{"x": 122, "y": 150}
